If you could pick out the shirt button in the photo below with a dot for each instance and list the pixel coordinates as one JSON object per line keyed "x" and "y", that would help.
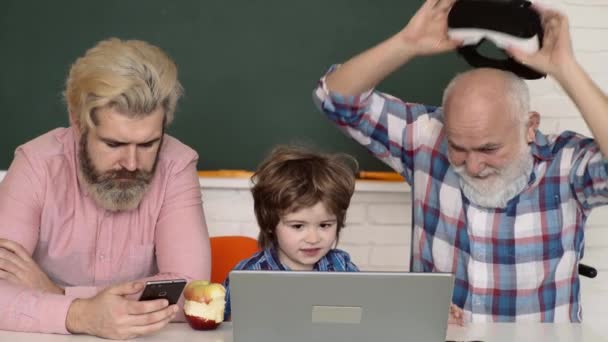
{"x": 101, "y": 257}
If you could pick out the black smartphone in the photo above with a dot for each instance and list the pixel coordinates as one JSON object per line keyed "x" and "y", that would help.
{"x": 168, "y": 289}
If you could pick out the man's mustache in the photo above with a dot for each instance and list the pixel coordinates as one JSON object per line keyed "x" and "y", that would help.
{"x": 488, "y": 171}
{"x": 124, "y": 174}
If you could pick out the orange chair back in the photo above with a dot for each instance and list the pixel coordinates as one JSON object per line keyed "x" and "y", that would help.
{"x": 226, "y": 252}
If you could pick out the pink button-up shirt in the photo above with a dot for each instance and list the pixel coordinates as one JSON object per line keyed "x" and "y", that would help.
{"x": 84, "y": 248}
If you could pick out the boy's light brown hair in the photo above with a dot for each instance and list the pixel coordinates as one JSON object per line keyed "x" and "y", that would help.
{"x": 292, "y": 178}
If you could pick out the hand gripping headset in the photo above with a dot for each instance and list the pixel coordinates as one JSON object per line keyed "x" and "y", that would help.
{"x": 504, "y": 23}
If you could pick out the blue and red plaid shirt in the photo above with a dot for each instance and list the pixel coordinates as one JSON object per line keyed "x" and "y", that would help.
{"x": 336, "y": 260}
{"x": 513, "y": 264}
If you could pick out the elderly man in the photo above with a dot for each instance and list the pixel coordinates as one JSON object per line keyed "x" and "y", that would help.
{"x": 90, "y": 211}
{"x": 496, "y": 202}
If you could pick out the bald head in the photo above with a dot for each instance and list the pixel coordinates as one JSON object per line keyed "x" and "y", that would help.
{"x": 489, "y": 88}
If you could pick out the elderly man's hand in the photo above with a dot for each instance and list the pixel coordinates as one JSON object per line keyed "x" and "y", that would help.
{"x": 456, "y": 315}
{"x": 18, "y": 267}
{"x": 427, "y": 31}
{"x": 556, "y": 55}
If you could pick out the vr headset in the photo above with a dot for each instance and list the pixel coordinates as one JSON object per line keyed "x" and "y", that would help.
{"x": 504, "y": 23}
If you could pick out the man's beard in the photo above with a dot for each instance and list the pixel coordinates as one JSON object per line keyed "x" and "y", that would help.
{"x": 114, "y": 190}
{"x": 501, "y": 186}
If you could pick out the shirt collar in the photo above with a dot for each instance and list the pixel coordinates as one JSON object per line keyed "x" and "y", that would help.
{"x": 540, "y": 147}
{"x": 272, "y": 255}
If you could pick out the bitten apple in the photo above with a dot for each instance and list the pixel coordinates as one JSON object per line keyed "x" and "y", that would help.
{"x": 204, "y": 304}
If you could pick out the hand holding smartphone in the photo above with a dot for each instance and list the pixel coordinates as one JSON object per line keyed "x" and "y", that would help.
{"x": 168, "y": 289}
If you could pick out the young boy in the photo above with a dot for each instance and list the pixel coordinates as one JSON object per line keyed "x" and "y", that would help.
{"x": 300, "y": 202}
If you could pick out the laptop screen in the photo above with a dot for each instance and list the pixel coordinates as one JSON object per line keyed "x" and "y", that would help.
{"x": 339, "y": 306}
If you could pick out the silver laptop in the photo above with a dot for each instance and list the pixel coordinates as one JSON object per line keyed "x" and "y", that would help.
{"x": 339, "y": 306}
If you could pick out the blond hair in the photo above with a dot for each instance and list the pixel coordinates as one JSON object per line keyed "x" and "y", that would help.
{"x": 131, "y": 76}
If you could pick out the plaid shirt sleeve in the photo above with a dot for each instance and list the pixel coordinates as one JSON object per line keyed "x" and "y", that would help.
{"x": 589, "y": 173}
{"x": 389, "y": 128}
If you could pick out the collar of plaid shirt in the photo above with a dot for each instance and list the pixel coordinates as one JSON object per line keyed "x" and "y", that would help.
{"x": 334, "y": 260}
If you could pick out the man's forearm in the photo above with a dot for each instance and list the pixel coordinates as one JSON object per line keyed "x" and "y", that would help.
{"x": 424, "y": 34}
{"x": 23, "y": 309}
{"x": 366, "y": 70}
{"x": 590, "y": 101}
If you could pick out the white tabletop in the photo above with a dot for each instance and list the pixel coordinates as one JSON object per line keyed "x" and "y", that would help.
{"x": 487, "y": 332}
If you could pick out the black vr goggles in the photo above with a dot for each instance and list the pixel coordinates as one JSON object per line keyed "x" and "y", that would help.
{"x": 503, "y": 22}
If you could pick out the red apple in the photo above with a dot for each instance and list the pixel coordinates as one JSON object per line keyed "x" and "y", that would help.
{"x": 204, "y": 304}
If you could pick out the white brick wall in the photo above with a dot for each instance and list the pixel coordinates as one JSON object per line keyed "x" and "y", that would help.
{"x": 377, "y": 232}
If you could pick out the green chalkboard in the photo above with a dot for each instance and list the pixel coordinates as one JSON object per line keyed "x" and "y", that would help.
{"x": 248, "y": 67}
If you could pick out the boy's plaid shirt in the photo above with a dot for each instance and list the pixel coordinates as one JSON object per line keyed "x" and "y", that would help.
{"x": 513, "y": 264}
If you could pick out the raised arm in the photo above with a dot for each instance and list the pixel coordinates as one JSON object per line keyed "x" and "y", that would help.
{"x": 425, "y": 34}
{"x": 393, "y": 130}
{"x": 556, "y": 59}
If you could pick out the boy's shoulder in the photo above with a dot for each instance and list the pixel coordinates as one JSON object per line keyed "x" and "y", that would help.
{"x": 336, "y": 260}
{"x": 338, "y": 253}
{"x": 262, "y": 260}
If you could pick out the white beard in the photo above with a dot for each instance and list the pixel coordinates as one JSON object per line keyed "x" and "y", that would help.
{"x": 501, "y": 185}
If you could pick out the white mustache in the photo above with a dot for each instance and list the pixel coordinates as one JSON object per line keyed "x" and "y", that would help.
{"x": 487, "y": 171}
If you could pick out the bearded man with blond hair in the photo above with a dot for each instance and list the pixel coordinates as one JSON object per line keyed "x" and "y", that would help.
{"x": 89, "y": 212}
